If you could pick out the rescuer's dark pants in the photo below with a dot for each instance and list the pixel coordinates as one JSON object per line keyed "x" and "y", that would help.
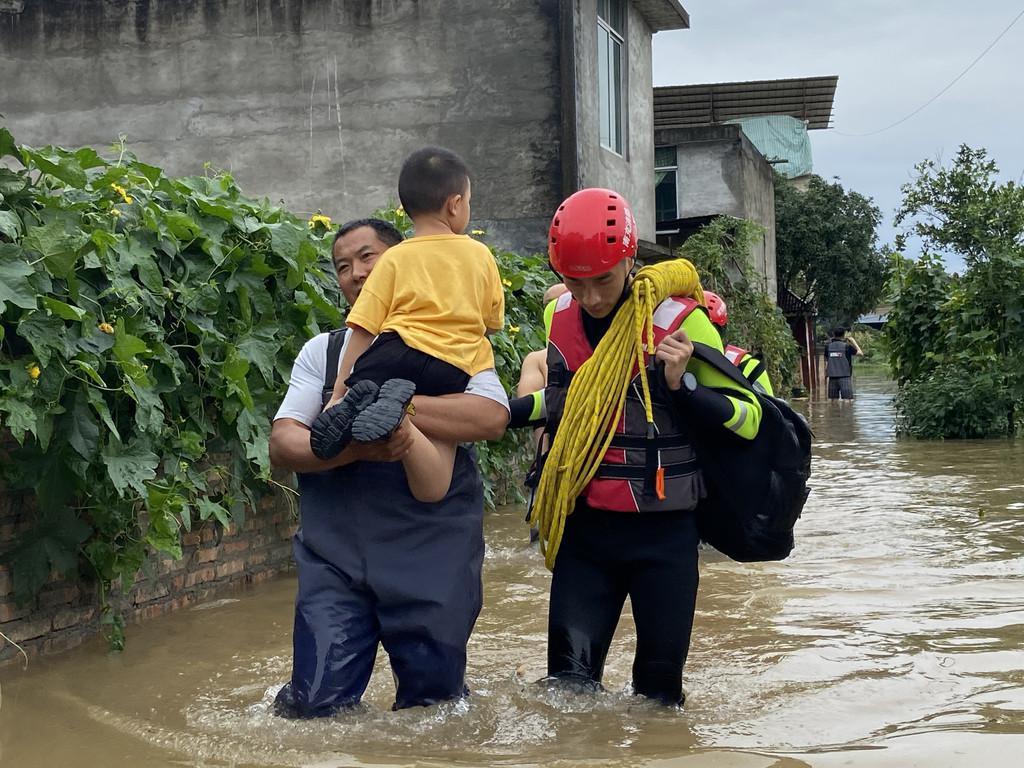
{"x": 605, "y": 556}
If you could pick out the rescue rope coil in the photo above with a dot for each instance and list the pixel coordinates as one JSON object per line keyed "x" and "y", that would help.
{"x": 597, "y": 397}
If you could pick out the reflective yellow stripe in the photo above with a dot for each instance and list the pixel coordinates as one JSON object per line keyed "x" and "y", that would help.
{"x": 739, "y": 419}
{"x": 539, "y": 410}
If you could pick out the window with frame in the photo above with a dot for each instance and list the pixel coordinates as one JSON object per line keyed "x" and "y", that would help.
{"x": 611, "y": 35}
{"x": 666, "y": 193}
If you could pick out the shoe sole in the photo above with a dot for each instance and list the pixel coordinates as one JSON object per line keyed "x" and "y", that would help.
{"x": 383, "y": 417}
{"x": 332, "y": 429}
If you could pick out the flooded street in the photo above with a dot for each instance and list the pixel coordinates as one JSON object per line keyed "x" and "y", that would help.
{"x": 893, "y": 636}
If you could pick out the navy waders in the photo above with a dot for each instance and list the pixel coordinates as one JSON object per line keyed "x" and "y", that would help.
{"x": 375, "y": 565}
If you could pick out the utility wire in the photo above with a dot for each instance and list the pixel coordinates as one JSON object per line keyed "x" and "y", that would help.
{"x": 953, "y": 82}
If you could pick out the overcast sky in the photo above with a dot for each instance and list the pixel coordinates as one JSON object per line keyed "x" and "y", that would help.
{"x": 891, "y": 57}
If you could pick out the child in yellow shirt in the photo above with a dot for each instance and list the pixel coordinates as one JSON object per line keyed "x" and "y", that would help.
{"x": 420, "y": 323}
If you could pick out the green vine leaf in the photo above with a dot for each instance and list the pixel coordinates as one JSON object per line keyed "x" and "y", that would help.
{"x": 127, "y": 346}
{"x": 10, "y": 224}
{"x": 20, "y": 418}
{"x": 63, "y": 310}
{"x": 15, "y": 287}
{"x": 129, "y": 467}
{"x": 8, "y": 148}
{"x": 58, "y": 248}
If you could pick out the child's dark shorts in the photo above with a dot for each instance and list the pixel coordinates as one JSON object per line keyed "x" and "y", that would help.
{"x": 391, "y": 358}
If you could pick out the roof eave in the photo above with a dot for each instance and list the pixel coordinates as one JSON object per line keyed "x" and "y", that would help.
{"x": 663, "y": 15}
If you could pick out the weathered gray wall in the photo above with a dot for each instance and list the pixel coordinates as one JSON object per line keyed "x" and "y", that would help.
{"x": 721, "y": 172}
{"x": 314, "y": 102}
{"x": 632, "y": 174}
{"x": 759, "y": 206}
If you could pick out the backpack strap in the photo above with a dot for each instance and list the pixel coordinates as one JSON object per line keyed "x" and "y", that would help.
{"x": 755, "y": 373}
{"x": 335, "y": 341}
{"x": 720, "y": 363}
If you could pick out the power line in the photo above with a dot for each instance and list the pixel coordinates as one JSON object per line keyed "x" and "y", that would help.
{"x": 953, "y": 82}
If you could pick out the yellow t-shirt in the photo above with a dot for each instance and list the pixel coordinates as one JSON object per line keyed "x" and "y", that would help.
{"x": 441, "y": 294}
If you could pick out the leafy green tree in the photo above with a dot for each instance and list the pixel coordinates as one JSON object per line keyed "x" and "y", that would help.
{"x": 958, "y": 341}
{"x": 962, "y": 208}
{"x": 825, "y": 248}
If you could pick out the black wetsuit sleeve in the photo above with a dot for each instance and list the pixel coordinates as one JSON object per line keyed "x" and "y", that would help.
{"x": 705, "y": 406}
{"x": 527, "y": 411}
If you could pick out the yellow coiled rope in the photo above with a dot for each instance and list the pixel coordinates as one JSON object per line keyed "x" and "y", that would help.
{"x": 597, "y": 395}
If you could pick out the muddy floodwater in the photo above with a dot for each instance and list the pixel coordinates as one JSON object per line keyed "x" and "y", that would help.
{"x": 893, "y": 636}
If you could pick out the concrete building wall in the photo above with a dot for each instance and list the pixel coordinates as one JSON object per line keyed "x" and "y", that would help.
{"x": 759, "y": 206}
{"x": 313, "y": 102}
{"x": 721, "y": 172}
{"x": 631, "y": 174}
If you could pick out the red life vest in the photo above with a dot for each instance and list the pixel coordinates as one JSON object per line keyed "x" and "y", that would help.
{"x": 736, "y": 355}
{"x": 625, "y": 480}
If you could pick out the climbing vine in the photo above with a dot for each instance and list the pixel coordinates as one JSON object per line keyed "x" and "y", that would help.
{"x": 148, "y": 325}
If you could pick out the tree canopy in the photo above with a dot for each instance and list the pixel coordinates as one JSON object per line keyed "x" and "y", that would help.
{"x": 825, "y": 245}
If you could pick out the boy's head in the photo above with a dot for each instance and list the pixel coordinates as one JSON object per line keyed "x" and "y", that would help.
{"x": 435, "y": 182}
{"x": 838, "y": 332}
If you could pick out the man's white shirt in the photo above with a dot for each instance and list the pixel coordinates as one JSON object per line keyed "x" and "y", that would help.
{"x": 303, "y": 400}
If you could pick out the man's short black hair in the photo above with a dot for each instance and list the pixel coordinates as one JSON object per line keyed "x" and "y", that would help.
{"x": 429, "y": 177}
{"x": 838, "y": 332}
{"x": 386, "y": 231}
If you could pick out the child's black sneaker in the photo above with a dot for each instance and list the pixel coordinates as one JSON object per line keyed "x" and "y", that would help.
{"x": 332, "y": 429}
{"x": 383, "y": 417}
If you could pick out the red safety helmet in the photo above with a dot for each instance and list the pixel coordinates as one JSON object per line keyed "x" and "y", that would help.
{"x": 716, "y": 308}
{"x": 591, "y": 232}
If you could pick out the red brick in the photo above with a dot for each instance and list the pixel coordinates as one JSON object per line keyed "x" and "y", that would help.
{"x": 190, "y": 539}
{"x": 198, "y": 576}
{"x": 26, "y": 629}
{"x": 287, "y": 531}
{"x": 257, "y": 558}
{"x": 207, "y": 554}
{"x": 233, "y": 547}
{"x": 153, "y": 610}
{"x": 149, "y": 592}
{"x": 51, "y": 598}
{"x": 181, "y": 602}
{"x": 207, "y": 534}
{"x": 178, "y": 583}
{"x": 73, "y": 617}
{"x": 229, "y": 568}
{"x": 9, "y": 611}
{"x": 65, "y": 641}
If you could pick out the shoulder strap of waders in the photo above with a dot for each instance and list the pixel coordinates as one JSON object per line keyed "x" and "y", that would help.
{"x": 335, "y": 341}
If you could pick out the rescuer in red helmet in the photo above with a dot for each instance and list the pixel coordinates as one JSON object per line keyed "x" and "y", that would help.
{"x": 749, "y": 365}
{"x": 632, "y": 531}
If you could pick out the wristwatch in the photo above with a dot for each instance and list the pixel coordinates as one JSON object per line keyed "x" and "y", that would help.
{"x": 688, "y": 383}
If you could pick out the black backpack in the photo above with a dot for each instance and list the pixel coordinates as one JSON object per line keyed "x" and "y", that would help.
{"x": 756, "y": 489}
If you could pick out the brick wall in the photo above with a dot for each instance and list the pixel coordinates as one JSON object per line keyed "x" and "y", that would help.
{"x": 215, "y": 562}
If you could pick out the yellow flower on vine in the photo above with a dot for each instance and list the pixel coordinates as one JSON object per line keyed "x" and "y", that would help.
{"x": 106, "y": 327}
{"x": 513, "y": 329}
{"x": 506, "y": 283}
{"x": 319, "y": 218}
{"x": 123, "y": 193}
{"x": 34, "y": 372}
{"x": 478, "y": 232}
{"x": 115, "y": 213}
{"x": 400, "y": 210}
